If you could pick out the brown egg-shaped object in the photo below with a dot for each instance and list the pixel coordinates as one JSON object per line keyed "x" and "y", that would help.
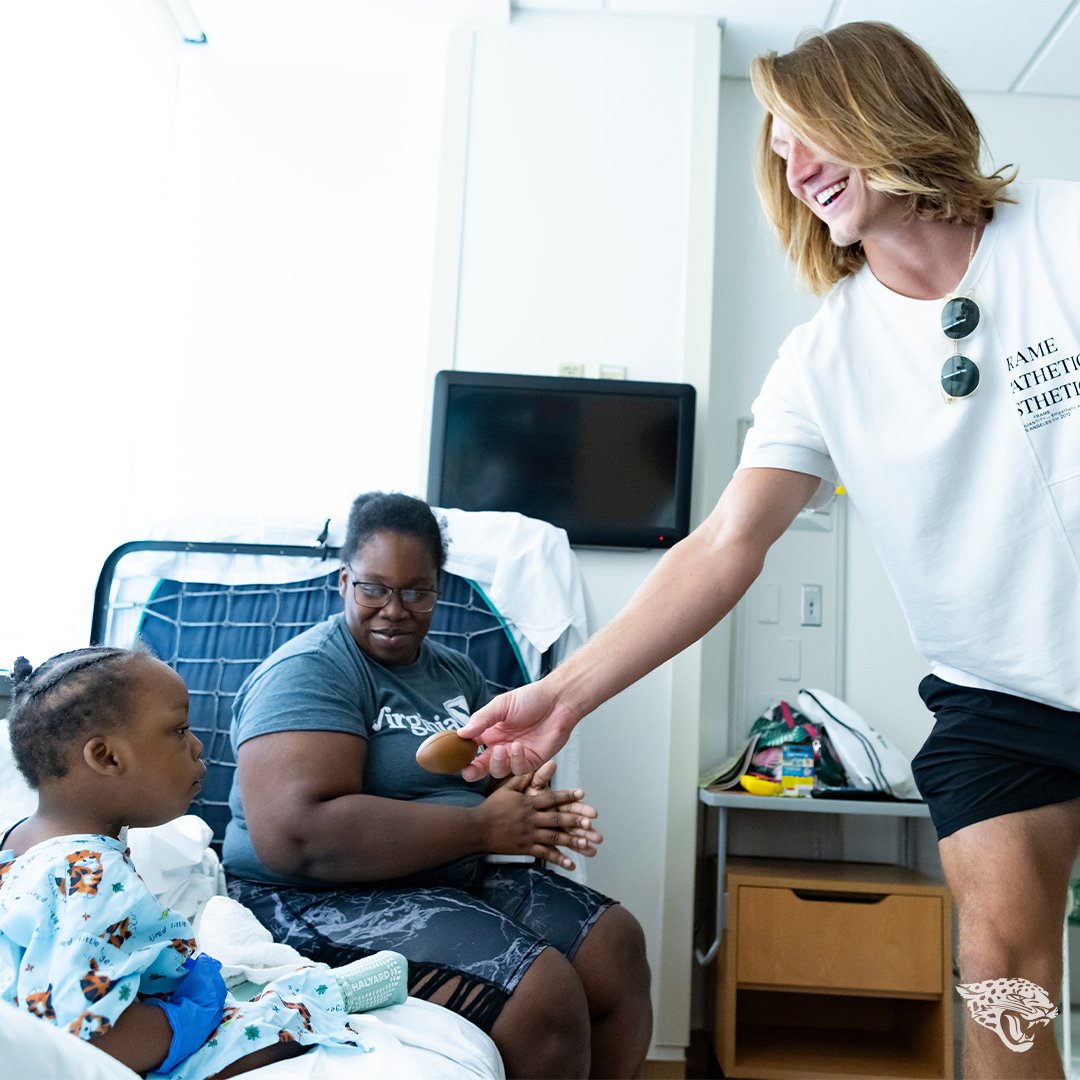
{"x": 445, "y": 752}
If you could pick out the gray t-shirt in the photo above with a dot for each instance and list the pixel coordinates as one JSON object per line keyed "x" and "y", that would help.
{"x": 321, "y": 681}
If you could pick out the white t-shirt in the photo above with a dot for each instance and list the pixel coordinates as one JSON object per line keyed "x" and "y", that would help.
{"x": 974, "y": 506}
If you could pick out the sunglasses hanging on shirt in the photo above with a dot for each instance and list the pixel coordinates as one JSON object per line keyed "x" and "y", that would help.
{"x": 960, "y": 316}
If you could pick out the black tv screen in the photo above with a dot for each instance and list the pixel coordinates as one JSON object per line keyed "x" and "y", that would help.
{"x": 608, "y": 460}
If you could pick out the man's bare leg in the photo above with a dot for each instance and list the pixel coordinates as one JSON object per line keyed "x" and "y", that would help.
{"x": 1009, "y": 877}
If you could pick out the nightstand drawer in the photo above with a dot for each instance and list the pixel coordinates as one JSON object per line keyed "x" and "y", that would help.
{"x": 839, "y": 940}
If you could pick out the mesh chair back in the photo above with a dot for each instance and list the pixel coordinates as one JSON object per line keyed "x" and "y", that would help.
{"x": 215, "y": 635}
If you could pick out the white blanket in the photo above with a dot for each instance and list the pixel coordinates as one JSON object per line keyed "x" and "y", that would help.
{"x": 230, "y": 933}
{"x": 415, "y": 1041}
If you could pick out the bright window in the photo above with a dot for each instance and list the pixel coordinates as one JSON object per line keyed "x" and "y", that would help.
{"x": 217, "y": 275}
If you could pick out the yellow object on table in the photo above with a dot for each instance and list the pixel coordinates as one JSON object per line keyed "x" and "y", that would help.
{"x": 757, "y": 786}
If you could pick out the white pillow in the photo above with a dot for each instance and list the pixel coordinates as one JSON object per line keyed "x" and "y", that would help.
{"x": 35, "y": 1050}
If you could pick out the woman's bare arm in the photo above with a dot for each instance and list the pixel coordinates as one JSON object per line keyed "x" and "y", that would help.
{"x": 307, "y": 814}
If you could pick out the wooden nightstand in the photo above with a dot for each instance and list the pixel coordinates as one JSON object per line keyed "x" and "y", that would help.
{"x": 834, "y": 969}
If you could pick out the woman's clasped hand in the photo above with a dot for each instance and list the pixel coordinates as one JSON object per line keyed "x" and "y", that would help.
{"x": 528, "y": 817}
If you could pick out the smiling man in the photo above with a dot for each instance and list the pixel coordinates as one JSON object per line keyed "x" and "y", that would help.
{"x": 936, "y": 278}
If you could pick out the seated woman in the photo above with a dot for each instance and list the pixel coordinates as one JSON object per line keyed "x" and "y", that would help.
{"x": 343, "y": 846}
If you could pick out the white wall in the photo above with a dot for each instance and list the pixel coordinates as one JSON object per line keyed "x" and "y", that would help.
{"x": 576, "y": 201}
{"x": 86, "y": 136}
{"x": 583, "y": 215}
{"x": 216, "y": 275}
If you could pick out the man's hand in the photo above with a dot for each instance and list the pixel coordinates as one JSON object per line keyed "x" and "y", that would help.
{"x": 520, "y": 731}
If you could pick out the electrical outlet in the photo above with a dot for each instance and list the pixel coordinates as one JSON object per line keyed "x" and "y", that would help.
{"x": 612, "y": 371}
{"x": 572, "y": 371}
{"x": 811, "y": 605}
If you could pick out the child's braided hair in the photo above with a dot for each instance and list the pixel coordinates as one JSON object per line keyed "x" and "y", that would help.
{"x": 70, "y": 695}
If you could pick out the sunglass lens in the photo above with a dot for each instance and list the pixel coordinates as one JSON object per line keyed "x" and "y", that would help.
{"x": 959, "y": 376}
{"x": 959, "y": 317}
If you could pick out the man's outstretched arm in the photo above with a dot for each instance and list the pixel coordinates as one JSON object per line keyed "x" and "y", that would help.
{"x": 690, "y": 590}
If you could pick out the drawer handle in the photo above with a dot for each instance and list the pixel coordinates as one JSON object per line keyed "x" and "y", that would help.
{"x": 839, "y": 897}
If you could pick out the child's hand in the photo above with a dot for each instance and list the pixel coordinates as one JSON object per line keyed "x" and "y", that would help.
{"x": 194, "y": 1009}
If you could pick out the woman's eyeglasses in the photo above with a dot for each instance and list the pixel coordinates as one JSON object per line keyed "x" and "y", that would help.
{"x": 370, "y": 595}
{"x": 959, "y": 374}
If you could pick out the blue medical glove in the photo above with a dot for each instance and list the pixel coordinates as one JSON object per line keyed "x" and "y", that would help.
{"x": 194, "y": 1009}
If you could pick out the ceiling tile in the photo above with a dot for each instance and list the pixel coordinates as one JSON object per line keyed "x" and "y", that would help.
{"x": 980, "y": 44}
{"x": 696, "y": 9}
{"x": 752, "y": 27}
{"x": 559, "y": 5}
{"x": 1055, "y": 72}
{"x": 1027, "y": 46}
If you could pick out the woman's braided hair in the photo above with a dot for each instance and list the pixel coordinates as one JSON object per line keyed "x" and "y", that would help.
{"x": 70, "y": 695}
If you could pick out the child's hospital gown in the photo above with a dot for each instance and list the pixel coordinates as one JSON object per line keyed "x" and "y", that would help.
{"x": 82, "y": 937}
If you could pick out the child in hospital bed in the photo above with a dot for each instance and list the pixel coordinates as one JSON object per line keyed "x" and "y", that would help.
{"x": 102, "y": 734}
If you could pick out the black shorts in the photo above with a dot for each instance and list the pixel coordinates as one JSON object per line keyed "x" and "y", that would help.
{"x": 485, "y": 936}
{"x": 991, "y": 754}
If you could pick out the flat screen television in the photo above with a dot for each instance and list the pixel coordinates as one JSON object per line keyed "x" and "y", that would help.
{"x": 608, "y": 460}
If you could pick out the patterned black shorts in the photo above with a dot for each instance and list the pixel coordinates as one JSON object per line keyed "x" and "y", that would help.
{"x": 485, "y": 936}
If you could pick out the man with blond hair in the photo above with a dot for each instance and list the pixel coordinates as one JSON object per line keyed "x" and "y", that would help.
{"x": 940, "y": 382}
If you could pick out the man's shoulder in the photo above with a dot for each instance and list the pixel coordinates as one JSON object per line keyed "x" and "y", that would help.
{"x": 831, "y": 317}
{"x": 1069, "y": 188}
{"x": 1042, "y": 199}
